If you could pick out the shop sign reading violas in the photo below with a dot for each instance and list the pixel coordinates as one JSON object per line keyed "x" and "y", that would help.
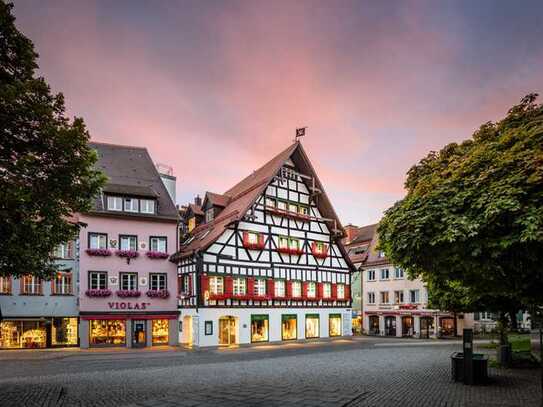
{"x": 129, "y": 305}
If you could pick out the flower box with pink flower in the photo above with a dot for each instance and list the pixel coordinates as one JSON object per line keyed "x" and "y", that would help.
{"x": 128, "y": 293}
{"x": 104, "y": 292}
{"x": 157, "y": 255}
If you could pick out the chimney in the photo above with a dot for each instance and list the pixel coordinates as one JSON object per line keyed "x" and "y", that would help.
{"x": 197, "y": 200}
{"x": 351, "y": 231}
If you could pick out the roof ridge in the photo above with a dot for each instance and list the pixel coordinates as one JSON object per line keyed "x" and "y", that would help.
{"x": 116, "y": 145}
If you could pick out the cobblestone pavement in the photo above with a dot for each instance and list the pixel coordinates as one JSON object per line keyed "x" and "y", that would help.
{"x": 342, "y": 373}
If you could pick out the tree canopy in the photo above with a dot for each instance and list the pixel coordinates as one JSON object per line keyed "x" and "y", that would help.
{"x": 46, "y": 166}
{"x": 472, "y": 218}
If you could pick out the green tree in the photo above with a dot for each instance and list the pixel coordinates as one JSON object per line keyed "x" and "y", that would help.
{"x": 46, "y": 166}
{"x": 472, "y": 217}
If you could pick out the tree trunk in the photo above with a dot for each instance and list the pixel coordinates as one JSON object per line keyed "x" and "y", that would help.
{"x": 455, "y": 325}
{"x": 504, "y": 350}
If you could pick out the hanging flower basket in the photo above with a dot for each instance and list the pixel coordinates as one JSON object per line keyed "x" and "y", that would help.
{"x": 158, "y": 293}
{"x": 128, "y": 293}
{"x": 105, "y": 292}
{"x": 99, "y": 252}
{"x": 157, "y": 255}
{"x": 129, "y": 254}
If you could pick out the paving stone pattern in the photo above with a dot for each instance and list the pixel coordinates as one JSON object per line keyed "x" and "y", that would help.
{"x": 349, "y": 375}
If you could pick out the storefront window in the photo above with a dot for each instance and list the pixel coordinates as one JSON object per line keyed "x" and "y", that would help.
{"x": 107, "y": 332}
{"x": 289, "y": 327}
{"x": 64, "y": 331}
{"x": 160, "y": 331}
{"x": 23, "y": 334}
{"x": 335, "y": 324}
{"x": 259, "y": 328}
{"x": 312, "y": 326}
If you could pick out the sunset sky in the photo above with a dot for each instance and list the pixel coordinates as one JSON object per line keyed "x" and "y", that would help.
{"x": 216, "y": 88}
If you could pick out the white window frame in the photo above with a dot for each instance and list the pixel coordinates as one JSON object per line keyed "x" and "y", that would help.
{"x": 382, "y": 274}
{"x": 260, "y": 287}
{"x": 279, "y": 288}
{"x": 95, "y": 280}
{"x": 32, "y": 286}
{"x": 311, "y": 289}
{"x": 97, "y": 241}
{"x": 340, "y": 291}
{"x": 414, "y": 296}
{"x": 371, "y": 297}
{"x": 371, "y": 275}
{"x": 158, "y": 244}
{"x": 284, "y": 242}
{"x": 398, "y": 273}
{"x": 147, "y": 206}
{"x": 210, "y": 215}
{"x": 128, "y": 281}
{"x": 382, "y": 295}
{"x": 252, "y": 237}
{"x": 296, "y": 287}
{"x": 239, "y": 286}
{"x": 398, "y": 297}
{"x": 216, "y": 285}
{"x": 158, "y": 281}
{"x": 115, "y": 203}
{"x": 63, "y": 285}
{"x": 131, "y": 205}
{"x": 326, "y": 290}
{"x": 130, "y": 239}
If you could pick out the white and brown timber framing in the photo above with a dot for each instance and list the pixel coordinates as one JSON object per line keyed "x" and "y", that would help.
{"x": 216, "y": 248}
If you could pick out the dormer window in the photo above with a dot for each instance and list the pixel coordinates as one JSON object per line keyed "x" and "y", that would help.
{"x": 209, "y": 215}
{"x": 131, "y": 205}
{"x": 147, "y": 206}
{"x": 114, "y": 203}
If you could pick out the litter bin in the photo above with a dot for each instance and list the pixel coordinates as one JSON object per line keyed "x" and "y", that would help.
{"x": 480, "y": 367}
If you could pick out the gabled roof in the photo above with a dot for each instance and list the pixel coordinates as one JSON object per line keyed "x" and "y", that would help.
{"x": 373, "y": 258}
{"x": 195, "y": 209}
{"x": 131, "y": 171}
{"x": 244, "y": 194}
{"x": 216, "y": 200}
{"x": 364, "y": 234}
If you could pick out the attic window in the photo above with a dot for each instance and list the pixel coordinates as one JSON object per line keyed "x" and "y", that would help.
{"x": 209, "y": 215}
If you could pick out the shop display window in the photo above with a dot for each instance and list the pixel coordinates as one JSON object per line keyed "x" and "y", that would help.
{"x": 23, "y": 334}
{"x": 259, "y": 328}
{"x": 335, "y": 324}
{"x": 160, "y": 331}
{"x": 107, "y": 332}
{"x": 289, "y": 327}
{"x": 312, "y": 326}
{"x": 64, "y": 331}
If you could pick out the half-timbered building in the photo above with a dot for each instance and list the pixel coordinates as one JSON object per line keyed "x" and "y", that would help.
{"x": 267, "y": 262}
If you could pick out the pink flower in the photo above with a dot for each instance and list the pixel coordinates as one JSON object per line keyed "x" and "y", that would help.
{"x": 98, "y": 292}
{"x": 130, "y": 254}
{"x": 157, "y": 255}
{"x": 128, "y": 293}
{"x": 99, "y": 252}
{"x": 158, "y": 294}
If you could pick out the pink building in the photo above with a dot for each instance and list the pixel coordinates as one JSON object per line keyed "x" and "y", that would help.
{"x": 128, "y": 287}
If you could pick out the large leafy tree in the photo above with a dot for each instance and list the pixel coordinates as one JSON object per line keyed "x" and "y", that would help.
{"x": 46, "y": 166}
{"x": 472, "y": 218}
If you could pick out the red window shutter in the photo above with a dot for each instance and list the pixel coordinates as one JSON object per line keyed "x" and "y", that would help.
{"x": 228, "y": 285}
{"x": 314, "y": 247}
{"x": 190, "y": 284}
{"x": 22, "y": 285}
{"x": 347, "y": 292}
{"x": 245, "y": 238}
{"x": 251, "y": 286}
{"x": 261, "y": 243}
{"x": 270, "y": 288}
{"x": 289, "y": 289}
{"x": 334, "y": 291}
{"x": 179, "y": 284}
{"x": 53, "y": 284}
{"x": 204, "y": 283}
{"x": 320, "y": 292}
{"x": 304, "y": 289}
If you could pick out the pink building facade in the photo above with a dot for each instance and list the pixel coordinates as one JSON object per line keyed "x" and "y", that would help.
{"x": 128, "y": 286}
